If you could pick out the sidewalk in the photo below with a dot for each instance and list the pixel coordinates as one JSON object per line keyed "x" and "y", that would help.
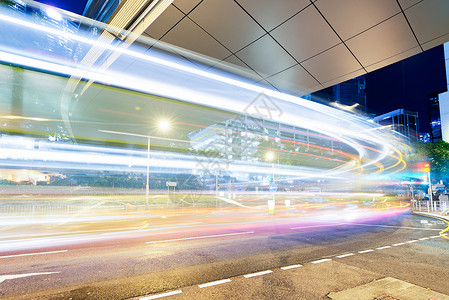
{"x": 432, "y": 214}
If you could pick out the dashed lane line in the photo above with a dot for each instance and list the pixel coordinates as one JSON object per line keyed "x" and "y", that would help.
{"x": 366, "y": 251}
{"x": 15, "y": 276}
{"x": 345, "y": 255}
{"x": 321, "y": 261}
{"x": 388, "y": 226}
{"x": 384, "y": 247}
{"x": 257, "y": 274}
{"x": 398, "y": 244}
{"x": 200, "y": 237}
{"x": 161, "y": 295}
{"x": 214, "y": 283}
{"x": 38, "y": 253}
{"x": 218, "y": 282}
{"x": 291, "y": 267}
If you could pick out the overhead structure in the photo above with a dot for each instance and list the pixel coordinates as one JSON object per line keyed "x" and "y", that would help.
{"x": 302, "y": 46}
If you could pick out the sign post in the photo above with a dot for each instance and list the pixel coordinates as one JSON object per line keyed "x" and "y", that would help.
{"x": 171, "y": 184}
{"x": 272, "y": 203}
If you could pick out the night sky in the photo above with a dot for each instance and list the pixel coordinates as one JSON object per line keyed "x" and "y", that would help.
{"x": 406, "y": 84}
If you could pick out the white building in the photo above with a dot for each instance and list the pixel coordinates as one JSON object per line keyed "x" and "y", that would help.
{"x": 444, "y": 99}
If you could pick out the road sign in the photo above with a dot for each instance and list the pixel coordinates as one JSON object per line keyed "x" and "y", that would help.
{"x": 273, "y": 187}
{"x": 171, "y": 183}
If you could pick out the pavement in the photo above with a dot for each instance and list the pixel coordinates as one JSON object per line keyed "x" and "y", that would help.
{"x": 388, "y": 288}
{"x": 260, "y": 258}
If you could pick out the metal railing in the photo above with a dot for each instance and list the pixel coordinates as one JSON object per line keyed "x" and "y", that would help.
{"x": 441, "y": 207}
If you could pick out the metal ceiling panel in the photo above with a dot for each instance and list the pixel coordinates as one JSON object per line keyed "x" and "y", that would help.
{"x": 186, "y": 5}
{"x": 260, "y": 56}
{"x": 332, "y": 63}
{"x": 407, "y": 3}
{"x": 385, "y": 40}
{"x": 270, "y": 14}
{"x": 164, "y": 22}
{"x": 364, "y": 14}
{"x": 343, "y": 78}
{"x": 306, "y": 34}
{"x": 234, "y": 65}
{"x": 188, "y": 35}
{"x": 429, "y": 20}
{"x": 227, "y": 22}
{"x": 393, "y": 59}
{"x": 376, "y": 32}
{"x": 296, "y": 80}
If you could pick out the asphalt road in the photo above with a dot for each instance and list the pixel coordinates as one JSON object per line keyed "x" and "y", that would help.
{"x": 133, "y": 256}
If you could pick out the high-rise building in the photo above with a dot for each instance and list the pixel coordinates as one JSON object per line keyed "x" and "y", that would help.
{"x": 433, "y": 109}
{"x": 351, "y": 92}
{"x": 403, "y": 121}
{"x": 346, "y": 93}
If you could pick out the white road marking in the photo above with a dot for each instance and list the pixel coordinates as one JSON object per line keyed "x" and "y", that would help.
{"x": 424, "y": 238}
{"x": 443, "y": 234}
{"x": 257, "y": 274}
{"x": 384, "y": 247}
{"x": 291, "y": 267}
{"x": 398, "y": 244}
{"x": 435, "y": 236}
{"x": 38, "y": 253}
{"x": 366, "y": 251}
{"x": 214, "y": 283}
{"x": 201, "y": 237}
{"x": 345, "y": 255}
{"x": 412, "y": 241}
{"x": 161, "y": 295}
{"x": 391, "y": 226}
{"x": 6, "y": 277}
{"x": 321, "y": 260}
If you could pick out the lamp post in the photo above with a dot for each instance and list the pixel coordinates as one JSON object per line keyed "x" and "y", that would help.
{"x": 162, "y": 125}
{"x": 269, "y": 156}
{"x": 427, "y": 169}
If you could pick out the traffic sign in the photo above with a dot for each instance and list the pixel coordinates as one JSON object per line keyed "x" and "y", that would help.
{"x": 273, "y": 187}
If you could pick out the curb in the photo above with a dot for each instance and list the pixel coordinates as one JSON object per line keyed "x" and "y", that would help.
{"x": 439, "y": 217}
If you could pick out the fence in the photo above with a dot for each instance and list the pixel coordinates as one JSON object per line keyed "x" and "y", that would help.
{"x": 439, "y": 206}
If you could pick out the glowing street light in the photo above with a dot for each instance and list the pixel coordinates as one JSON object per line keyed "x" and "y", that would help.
{"x": 52, "y": 13}
{"x": 162, "y": 125}
{"x": 269, "y": 156}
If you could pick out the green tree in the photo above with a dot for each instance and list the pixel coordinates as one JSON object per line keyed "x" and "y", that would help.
{"x": 438, "y": 154}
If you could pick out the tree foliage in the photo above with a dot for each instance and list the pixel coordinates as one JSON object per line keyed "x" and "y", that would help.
{"x": 438, "y": 155}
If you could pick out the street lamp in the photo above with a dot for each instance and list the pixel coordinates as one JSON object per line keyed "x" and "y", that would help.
{"x": 269, "y": 156}
{"x": 427, "y": 170}
{"x": 162, "y": 125}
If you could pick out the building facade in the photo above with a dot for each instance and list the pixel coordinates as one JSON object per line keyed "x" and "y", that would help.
{"x": 444, "y": 100}
{"x": 403, "y": 121}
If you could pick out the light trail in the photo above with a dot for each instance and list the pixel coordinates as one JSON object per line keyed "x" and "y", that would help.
{"x": 340, "y": 133}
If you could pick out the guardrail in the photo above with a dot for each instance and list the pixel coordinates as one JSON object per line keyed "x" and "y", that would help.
{"x": 438, "y": 206}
